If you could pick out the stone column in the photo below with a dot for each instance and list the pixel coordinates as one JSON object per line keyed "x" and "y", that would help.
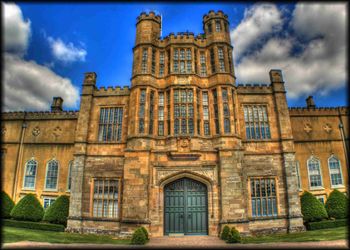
{"x": 295, "y": 221}
{"x": 75, "y": 207}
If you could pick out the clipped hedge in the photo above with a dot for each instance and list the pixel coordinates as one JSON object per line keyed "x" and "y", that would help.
{"x": 337, "y": 205}
{"x": 326, "y": 224}
{"x": 7, "y": 205}
{"x": 225, "y": 232}
{"x": 28, "y": 209}
{"x": 57, "y": 213}
{"x": 33, "y": 225}
{"x": 145, "y": 232}
{"x": 234, "y": 236}
{"x": 311, "y": 208}
{"x": 138, "y": 237}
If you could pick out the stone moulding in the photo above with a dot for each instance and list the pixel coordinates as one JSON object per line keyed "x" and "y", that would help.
{"x": 135, "y": 221}
{"x": 183, "y": 156}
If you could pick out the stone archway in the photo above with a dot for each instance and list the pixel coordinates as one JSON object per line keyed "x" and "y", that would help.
{"x": 185, "y": 207}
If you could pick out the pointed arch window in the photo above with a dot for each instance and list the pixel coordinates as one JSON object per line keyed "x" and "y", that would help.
{"x": 335, "y": 171}
{"x": 314, "y": 171}
{"x": 30, "y": 174}
{"x": 51, "y": 175}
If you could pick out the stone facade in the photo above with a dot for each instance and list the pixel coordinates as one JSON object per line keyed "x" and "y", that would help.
{"x": 150, "y": 153}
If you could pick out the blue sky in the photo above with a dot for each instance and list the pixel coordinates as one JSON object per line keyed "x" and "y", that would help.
{"x": 56, "y": 43}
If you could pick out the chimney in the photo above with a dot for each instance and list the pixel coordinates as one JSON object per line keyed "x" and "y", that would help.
{"x": 310, "y": 102}
{"x": 56, "y": 105}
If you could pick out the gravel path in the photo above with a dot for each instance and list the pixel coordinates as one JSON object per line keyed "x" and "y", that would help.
{"x": 183, "y": 242}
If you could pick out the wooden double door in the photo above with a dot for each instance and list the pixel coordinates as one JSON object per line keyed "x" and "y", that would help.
{"x": 185, "y": 207}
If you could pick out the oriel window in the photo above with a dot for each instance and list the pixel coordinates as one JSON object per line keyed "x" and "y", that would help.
{"x": 160, "y": 113}
{"x": 205, "y": 104}
{"x": 161, "y": 63}
{"x": 203, "y": 64}
{"x": 183, "y": 111}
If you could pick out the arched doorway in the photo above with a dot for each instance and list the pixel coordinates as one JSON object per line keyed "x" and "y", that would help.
{"x": 185, "y": 207}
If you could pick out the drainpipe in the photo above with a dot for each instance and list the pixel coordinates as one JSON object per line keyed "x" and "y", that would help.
{"x": 19, "y": 158}
{"x": 345, "y": 146}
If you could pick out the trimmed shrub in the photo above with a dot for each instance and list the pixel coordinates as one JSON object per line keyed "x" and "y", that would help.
{"x": 225, "y": 232}
{"x": 33, "y": 225}
{"x": 7, "y": 205}
{"x": 28, "y": 208}
{"x": 57, "y": 213}
{"x": 337, "y": 205}
{"x": 311, "y": 208}
{"x": 234, "y": 236}
{"x": 138, "y": 237}
{"x": 326, "y": 224}
{"x": 145, "y": 232}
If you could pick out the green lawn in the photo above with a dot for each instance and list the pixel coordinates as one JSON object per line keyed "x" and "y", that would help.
{"x": 339, "y": 233}
{"x": 13, "y": 234}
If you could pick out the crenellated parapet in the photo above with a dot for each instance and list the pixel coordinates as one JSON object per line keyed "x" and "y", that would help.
{"x": 213, "y": 15}
{"x": 254, "y": 89}
{"x": 39, "y": 115}
{"x": 149, "y": 16}
{"x": 320, "y": 111}
{"x": 112, "y": 91}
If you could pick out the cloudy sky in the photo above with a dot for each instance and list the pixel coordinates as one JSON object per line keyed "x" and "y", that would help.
{"x": 48, "y": 47}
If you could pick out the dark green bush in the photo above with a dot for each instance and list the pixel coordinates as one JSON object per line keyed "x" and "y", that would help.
{"x": 225, "y": 232}
{"x": 57, "y": 213}
{"x": 6, "y": 205}
{"x": 33, "y": 225}
{"x": 326, "y": 224}
{"x": 138, "y": 237}
{"x": 311, "y": 208}
{"x": 145, "y": 232}
{"x": 28, "y": 208}
{"x": 337, "y": 205}
{"x": 234, "y": 236}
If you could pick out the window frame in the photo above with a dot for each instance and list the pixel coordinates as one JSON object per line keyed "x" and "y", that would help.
{"x": 50, "y": 198}
{"x": 263, "y": 106}
{"x": 115, "y": 125}
{"x": 250, "y": 209}
{"x": 24, "y": 174}
{"x": 91, "y": 207}
{"x": 341, "y": 173}
{"x": 308, "y": 173}
{"x": 58, "y": 174}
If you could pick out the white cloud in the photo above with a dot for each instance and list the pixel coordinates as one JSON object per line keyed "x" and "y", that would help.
{"x": 320, "y": 64}
{"x": 16, "y": 30}
{"x": 258, "y": 21}
{"x": 66, "y": 52}
{"x": 30, "y": 86}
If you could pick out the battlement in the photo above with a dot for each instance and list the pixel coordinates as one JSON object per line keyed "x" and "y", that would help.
{"x": 183, "y": 37}
{"x": 254, "y": 88}
{"x": 149, "y": 16}
{"x": 213, "y": 14}
{"x": 112, "y": 91}
{"x": 39, "y": 115}
{"x": 296, "y": 111}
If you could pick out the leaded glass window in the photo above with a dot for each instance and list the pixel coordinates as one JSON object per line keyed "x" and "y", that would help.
{"x": 51, "y": 175}
{"x": 110, "y": 125}
{"x": 153, "y": 61}
{"x": 335, "y": 171}
{"x": 184, "y": 60}
{"x": 314, "y": 170}
{"x": 30, "y": 174}
{"x": 217, "y": 25}
{"x": 221, "y": 59}
{"x": 48, "y": 202}
{"x": 142, "y": 111}
{"x": 256, "y": 122}
{"x": 144, "y": 60}
{"x": 226, "y": 111}
{"x": 212, "y": 61}
{"x": 168, "y": 111}
{"x": 203, "y": 63}
{"x": 161, "y": 63}
{"x": 105, "y": 198}
{"x": 297, "y": 168}
{"x": 209, "y": 27}
{"x": 69, "y": 180}
{"x": 151, "y": 113}
{"x": 263, "y": 197}
{"x": 198, "y": 111}
{"x": 160, "y": 113}
{"x": 183, "y": 111}
{"x": 216, "y": 112}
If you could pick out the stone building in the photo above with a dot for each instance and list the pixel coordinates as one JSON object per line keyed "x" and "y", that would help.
{"x": 184, "y": 150}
